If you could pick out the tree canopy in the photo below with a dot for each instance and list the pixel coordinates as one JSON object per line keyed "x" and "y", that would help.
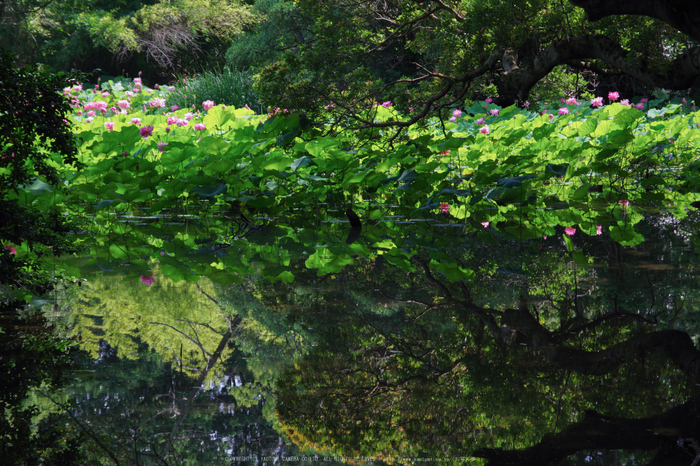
{"x": 160, "y": 35}
{"x": 431, "y": 55}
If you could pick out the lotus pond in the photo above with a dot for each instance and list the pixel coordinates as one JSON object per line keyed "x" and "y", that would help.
{"x": 254, "y": 291}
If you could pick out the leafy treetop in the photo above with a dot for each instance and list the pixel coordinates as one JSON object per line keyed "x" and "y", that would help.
{"x": 431, "y": 55}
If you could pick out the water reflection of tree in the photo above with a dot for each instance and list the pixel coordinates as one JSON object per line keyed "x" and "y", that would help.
{"x": 149, "y": 407}
{"x": 437, "y": 373}
{"x": 166, "y": 430}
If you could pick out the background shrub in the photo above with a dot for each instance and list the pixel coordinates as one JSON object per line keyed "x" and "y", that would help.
{"x": 229, "y": 87}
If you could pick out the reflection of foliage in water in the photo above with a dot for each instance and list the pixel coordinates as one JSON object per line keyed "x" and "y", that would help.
{"x": 138, "y": 404}
{"x": 32, "y": 358}
{"x": 374, "y": 358}
{"x": 174, "y": 319}
{"x": 430, "y": 380}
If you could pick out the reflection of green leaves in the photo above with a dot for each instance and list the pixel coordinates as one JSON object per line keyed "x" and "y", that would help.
{"x": 625, "y": 235}
{"x": 179, "y": 273}
{"x": 557, "y": 169}
{"x": 453, "y": 271}
{"x": 37, "y": 187}
{"x": 210, "y": 191}
{"x": 515, "y": 181}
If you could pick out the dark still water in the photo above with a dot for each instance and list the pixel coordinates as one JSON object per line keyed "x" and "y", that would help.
{"x": 450, "y": 348}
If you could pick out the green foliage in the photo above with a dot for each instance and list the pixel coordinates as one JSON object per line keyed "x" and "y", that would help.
{"x": 33, "y": 124}
{"x": 36, "y": 142}
{"x": 228, "y": 87}
{"x": 281, "y": 27}
{"x": 172, "y": 34}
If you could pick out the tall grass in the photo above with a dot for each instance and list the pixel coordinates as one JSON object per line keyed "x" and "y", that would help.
{"x": 229, "y": 87}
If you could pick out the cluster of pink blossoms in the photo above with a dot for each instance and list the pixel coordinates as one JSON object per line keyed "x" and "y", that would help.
{"x": 456, "y": 113}
{"x": 156, "y": 103}
{"x": 99, "y": 105}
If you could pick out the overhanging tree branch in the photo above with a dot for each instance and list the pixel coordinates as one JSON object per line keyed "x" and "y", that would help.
{"x": 683, "y": 15}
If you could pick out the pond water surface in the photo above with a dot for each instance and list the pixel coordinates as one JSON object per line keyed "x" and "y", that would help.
{"x": 513, "y": 352}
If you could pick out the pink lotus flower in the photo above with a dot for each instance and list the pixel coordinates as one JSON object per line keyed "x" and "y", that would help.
{"x": 387, "y": 104}
{"x": 639, "y": 106}
{"x": 481, "y": 121}
{"x": 484, "y": 129}
{"x": 457, "y": 113}
{"x": 453, "y": 120}
{"x": 624, "y": 203}
{"x": 172, "y": 120}
{"x": 110, "y": 125}
{"x": 148, "y": 280}
{"x": 208, "y": 104}
{"x": 571, "y": 231}
{"x": 182, "y": 122}
{"x": 99, "y": 105}
{"x": 571, "y": 101}
{"x": 10, "y": 248}
{"x": 625, "y": 102}
{"x": 173, "y": 108}
{"x": 494, "y": 111}
{"x": 189, "y": 116}
{"x": 200, "y": 127}
{"x": 599, "y": 230}
{"x": 146, "y": 131}
{"x": 156, "y": 103}
{"x": 613, "y": 96}
{"x": 444, "y": 207}
{"x": 597, "y": 102}
{"x": 161, "y": 145}
{"x": 563, "y": 111}
{"x": 105, "y": 94}
{"x": 485, "y": 224}
{"x": 489, "y": 100}
{"x": 91, "y": 113}
{"x": 123, "y": 104}
{"x": 136, "y": 121}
